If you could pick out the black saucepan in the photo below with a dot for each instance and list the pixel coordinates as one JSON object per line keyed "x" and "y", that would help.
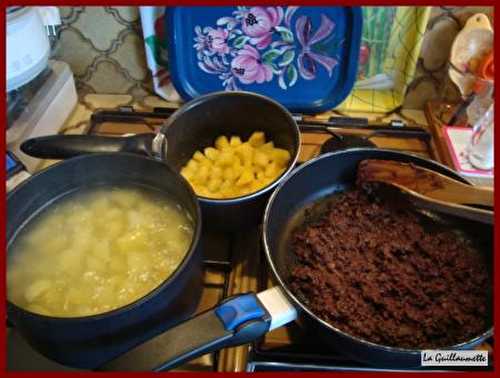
{"x": 244, "y": 318}
{"x": 194, "y": 127}
{"x": 88, "y": 341}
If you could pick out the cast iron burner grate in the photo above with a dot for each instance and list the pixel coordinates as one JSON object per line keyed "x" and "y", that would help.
{"x": 341, "y": 142}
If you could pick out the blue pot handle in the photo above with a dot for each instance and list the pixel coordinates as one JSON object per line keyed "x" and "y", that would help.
{"x": 238, "y": 320}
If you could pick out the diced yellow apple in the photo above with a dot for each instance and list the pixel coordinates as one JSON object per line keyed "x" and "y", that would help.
{"x": 257, "y": 139}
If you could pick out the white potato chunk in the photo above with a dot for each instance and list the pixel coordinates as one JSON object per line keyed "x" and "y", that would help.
{"x": 36, "y": 289}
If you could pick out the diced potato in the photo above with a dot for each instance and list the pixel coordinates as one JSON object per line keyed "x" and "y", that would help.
{"x": 76, "y": 295}
{"x": 245, "y": 178}
{"x": 260, "y": 175}
{"x": 137, "y": 261}
{"x": 132, "y": 242}
{"x": 102, "y": 250}
{"x": 222, "y": 142}
{"x": 95, "y": 264}
{"x": 100, "y": 206}
{"x": 37, "y": 309}
{"x": 115, "y": 229}
{"x": 261, "y": 159}
{"x": 125, "y": 198}
{"x": 82, "y": 246}
{"x": 118, "y": 264}
{"x": 56, "y": 243}
{"x": 235, "y": 141}
{"x": 71, "y": 259}
{"x": 211, "y": 153}
{"x": 36, "y": 289}
{"x": 257, "y": 139}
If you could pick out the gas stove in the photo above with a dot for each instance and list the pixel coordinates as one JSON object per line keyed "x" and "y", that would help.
{"x": 235, "y": 263}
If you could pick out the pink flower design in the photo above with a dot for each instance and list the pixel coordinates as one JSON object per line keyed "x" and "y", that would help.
{"x": 248, "y": 67}
{"x": 259, "y": 22}
{"x": 216, "y": 40}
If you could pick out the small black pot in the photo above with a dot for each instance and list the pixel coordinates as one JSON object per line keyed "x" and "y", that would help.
{"x": 194, "y": 127}
{"x": 86, "y": 342}
{"x": 197, "y": 124}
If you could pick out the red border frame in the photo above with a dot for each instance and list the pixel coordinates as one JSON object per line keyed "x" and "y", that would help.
{"x": 220, "y": 2}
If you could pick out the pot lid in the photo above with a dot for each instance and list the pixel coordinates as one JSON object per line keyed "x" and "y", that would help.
{"x": 306, "y": 58}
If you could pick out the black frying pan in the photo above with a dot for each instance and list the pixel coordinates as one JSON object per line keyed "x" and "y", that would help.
{"x": 244, "y": 318}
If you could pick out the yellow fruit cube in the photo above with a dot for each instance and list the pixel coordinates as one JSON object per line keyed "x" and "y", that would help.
{"x": 245, "y": 152}
{"x": 257, "y": 139}
{"x": 237, "y": 168}
{"x": 271, "y": 170}
{"x": 257, "y": 185}
{"x": 211, "y": 153}
{"x": 214, "y": 184}
{"x": 187, "y": 173}
{"x": 267, "y": 147}
{"x": 216, "y": 172}
{"x": 192, "y": 165}
{"x": 245, "y": 178}
{"x": 198, "y": 156}
{"x": 203, "y": 174}
{"x": 235, "y": 141}
{"x": 260, "y": 159}
{"x": 225, "y": 158}
{"x": 229, "y": 174}
{"x": 226, "y": 189}
{"x": 222, "y": 142}
{"x": 201, "y": 190}
{"x": 281, "y": 156}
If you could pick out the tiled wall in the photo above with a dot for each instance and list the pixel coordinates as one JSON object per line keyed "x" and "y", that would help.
{"x": 105, "y": 49}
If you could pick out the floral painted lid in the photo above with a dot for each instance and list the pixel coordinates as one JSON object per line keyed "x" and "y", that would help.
{"x": 304, "y": 57}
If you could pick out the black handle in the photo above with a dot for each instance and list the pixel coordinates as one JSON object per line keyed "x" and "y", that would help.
{"x": 238, "y": 320}
{"x": 67, "y": 146}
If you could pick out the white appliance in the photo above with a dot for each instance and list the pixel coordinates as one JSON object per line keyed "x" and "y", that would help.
{"x": 45, "y": 112}
{"x": 28, "y": 46}
{"x": 41, "y": 93}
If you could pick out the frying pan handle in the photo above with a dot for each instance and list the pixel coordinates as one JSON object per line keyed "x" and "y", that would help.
{"x": 67, "y": 146}
{"x": 238, "y": 320}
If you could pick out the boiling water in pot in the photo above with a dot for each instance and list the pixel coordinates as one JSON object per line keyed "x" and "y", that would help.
{"x": 96, "y": 250}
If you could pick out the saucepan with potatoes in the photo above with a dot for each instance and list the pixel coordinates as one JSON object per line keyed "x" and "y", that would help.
{"x": 233, "y": 148}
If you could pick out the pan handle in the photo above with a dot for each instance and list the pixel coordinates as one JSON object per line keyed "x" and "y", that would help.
{"x": 67, "y": 146}
{"x": 237, "y": 320}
